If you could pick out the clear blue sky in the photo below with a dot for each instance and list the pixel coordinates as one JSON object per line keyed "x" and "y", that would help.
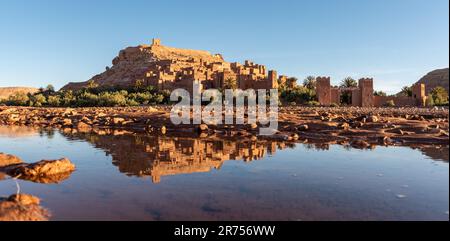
{"x": 395, "y": 41}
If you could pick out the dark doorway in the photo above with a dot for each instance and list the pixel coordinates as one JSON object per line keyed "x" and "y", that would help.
{"x": 346, "y": 98}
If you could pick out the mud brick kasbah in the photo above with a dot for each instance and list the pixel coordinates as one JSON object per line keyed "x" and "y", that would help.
{"x": 169, "y": 68}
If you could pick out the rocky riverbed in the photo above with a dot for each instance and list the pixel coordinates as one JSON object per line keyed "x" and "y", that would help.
{"x": 357, "y": 127}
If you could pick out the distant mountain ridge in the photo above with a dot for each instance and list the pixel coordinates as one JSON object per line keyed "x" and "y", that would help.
{"x": 5, "y": 92}
{"x": 435, "y": 78}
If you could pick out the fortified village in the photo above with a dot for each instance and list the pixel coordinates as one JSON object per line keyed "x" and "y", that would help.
{"x": 169, "y": 68}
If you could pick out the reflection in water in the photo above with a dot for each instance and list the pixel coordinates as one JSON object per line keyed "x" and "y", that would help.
{"x": 157, "y": 156}
{"x": 320, "y": 181}
{"x": 18, "y": 131}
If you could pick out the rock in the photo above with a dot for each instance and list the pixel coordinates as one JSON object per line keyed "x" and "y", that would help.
{"x": 22, "y": 207}
{"x": 303, "y": 128}
{"x": 44, "y": 168}
{"x": 372, "y": 119}
{"x": 163, "y": 130}
{"x": 360, "y": 144}
{"x": 7, "y": 160}
{"x": 67, "y": 122}
{"x": 386, "y": 140}
{"x": 203, "y": 127}
{"x": 149, "y": 129}
{"x": 12, "y": 118}
{"x": 24, "y": 199}
{"x": 81, "y": 126}
{"x": 444, "y": 133}
{"x": 358, "y": 124}
{"x": 344, "y": 126}
{"x": 118, "y": 120}
{"x": 100, "y": 115}
{"x": 280, "y": 137}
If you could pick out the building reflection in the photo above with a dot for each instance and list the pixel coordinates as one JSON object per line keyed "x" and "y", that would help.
{"x": 159, "y": 156}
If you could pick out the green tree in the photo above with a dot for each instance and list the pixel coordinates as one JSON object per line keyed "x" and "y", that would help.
{"x": 230, "y": 83}
{"x": 349, "y": 82}
{"x": 18, "y": 99}
{"x": 439, "y": 95}
{"x": 68, "y": 98}
{"x": 310, "y": 82}
{"x": 430, "y": 101}
{"x": 50, "y": 89}
{"x": 346, "y": 96}
{"x": 406, "y": 91}
{"x": 139, "y": 85}
{"x": 379, "y": 93}
{"x": 38, "y": 100}
{"x": 54, "y": 100}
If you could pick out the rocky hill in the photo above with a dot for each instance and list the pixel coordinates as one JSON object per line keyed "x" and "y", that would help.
{"x": 5, "y": 92}
{"x": 436, "y": 78}
{"x": 169, "y": 68}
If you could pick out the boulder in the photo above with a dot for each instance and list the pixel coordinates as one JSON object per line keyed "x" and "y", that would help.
{"x": 42, "y": 169}
{"x": 22, "y": 207}
{"x": 203, "y": 127}
{"x": 303, "y": 128}
{"x": 372, "y": 118}
{"x": 7, "y": 160}
{"x": 81, "y": 126}
{"x": 359, "y": 144}
{"x": 118, "y": 120}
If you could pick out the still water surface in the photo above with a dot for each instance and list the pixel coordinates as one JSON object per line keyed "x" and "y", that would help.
{"x": 133, "y": 177}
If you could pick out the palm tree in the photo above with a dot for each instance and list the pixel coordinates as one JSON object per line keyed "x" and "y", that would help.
{"x": 406, "y": 91}
{"x": 379, "y": 93}
{"x": 349, "y": 82}
{"x": 230, "y": 83}
{"x": 50, "y": 88}
{"x": 310, "y": 82}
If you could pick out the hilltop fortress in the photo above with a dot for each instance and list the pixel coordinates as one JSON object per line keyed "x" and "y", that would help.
{"x": 170, "y": 68}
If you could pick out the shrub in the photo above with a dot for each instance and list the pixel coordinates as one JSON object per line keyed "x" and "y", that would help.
{"x": 158, "y": 99}
{"x": 87, "y": 99}
{"x": 113, "y": 99}
{"x": 440, "y": 96}
{"x": 313, "y": 103}
{"x": 430, "y": 101}
{"x": 298, "y": 94}
{"x": 54, "y": 100}
{"x": 67, "y": 98}
{"x": 18, "y": 99}
{"x": 334, "y": 105}
{"x": 38, "y": 100}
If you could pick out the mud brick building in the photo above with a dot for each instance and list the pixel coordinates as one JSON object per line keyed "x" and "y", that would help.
{"x": 363, "y": 94}
{"x": 170, "y": 68}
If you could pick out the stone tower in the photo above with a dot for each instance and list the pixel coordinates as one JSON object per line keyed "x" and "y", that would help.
{"x": 366, "y": 88}
{"x": 323, "y": 88}
{"x": 273, "y": 79}
{"x": 156, "y": 42}
{"x": 419, "y": 94}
